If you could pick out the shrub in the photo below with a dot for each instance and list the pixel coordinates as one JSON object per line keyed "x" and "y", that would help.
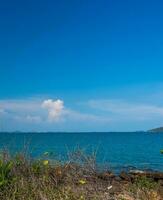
{"x": 5, "y": 172}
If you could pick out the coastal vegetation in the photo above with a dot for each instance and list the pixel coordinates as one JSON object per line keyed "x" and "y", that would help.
{"x": 156, "y": 130}
{"x": 80, "y": 178}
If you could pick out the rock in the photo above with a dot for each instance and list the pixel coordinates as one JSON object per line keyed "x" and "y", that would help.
{"x": 156, "y": 175}
{"x": 125, "y": 176}
{"x": 125, "y": 197}
{"x": 117, "y": 179}
{"x": 110, "y": 187}
{"x": 160, "y": 182}
{"x": 153, "y": 175}
{"x": 136, "y": 172}
{"x": 106, "y": 176}
{"x": 117, "y": 187}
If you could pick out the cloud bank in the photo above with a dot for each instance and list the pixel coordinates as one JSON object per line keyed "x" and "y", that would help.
{"x": 96, "y": 113}
{"x": 129, "y": 110}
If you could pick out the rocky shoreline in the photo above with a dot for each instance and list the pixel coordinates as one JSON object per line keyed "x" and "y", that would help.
{"x": 118, "y": 183}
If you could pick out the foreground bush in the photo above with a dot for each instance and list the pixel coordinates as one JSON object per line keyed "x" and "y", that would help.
{"x": 22, "y": 178}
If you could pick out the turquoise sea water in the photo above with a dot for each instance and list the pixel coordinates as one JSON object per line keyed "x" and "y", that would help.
{"x": 118, "y": 150}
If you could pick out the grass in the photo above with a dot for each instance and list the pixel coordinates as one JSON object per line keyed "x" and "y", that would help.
{"x": 22, "y": 178}
{"x": 144, "y": 189}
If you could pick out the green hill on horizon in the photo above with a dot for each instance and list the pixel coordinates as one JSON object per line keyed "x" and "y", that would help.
{"x": 156, "y": 130}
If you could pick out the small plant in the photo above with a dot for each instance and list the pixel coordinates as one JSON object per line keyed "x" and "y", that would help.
{"x": 19, "y": 159}
{"x": 82, "y": 182}
{"x": 5, "y": 172}
{"x": 144, "y": 189}
{"x": 161, "y": 151}
{"x": 145, "y": 183}
{"x": 48, "y": 153}
{"x": 39, "y": 166}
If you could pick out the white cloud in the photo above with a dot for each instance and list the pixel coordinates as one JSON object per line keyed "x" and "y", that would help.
{"x": 55, "y": 109}
{"x": 45, "y": 111}
{"x": 23, "y": 111}
{"x": 87, "y": 117}
{"x": 57, "y": 112}
{"x": 33, "y": 119}
{"x": 127, "y": 109}
{"x": 2, "y": 111}
{"x": 27, "y": 119}
{"x": 27, "y": 105}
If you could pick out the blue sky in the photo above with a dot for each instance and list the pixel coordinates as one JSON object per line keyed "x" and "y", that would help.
{"x": 97, "y": 64}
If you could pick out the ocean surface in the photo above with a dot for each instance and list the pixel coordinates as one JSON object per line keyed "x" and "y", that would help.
{"x": 117, "y": 150}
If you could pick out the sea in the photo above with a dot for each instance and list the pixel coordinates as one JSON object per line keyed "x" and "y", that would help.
{"x": 116, "y": 150}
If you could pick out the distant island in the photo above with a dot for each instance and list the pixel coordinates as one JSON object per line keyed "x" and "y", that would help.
{"x": 156, "y": 130}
